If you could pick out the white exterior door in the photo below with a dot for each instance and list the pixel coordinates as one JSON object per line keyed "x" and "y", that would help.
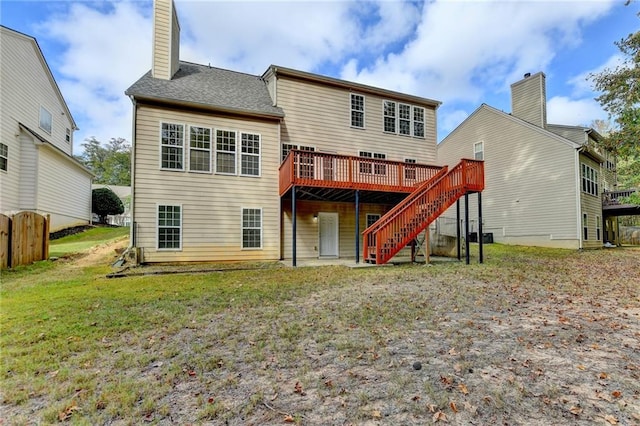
{"x": 328, "y": 234}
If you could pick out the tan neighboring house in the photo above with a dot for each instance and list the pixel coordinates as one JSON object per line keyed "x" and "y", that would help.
{"x": 544, "y": 182}
{"x": 37, "y": 169}
{"x": 289, "y": 164}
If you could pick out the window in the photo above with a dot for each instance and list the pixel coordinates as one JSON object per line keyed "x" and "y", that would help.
{"x": 286, "y": 148}
{"x": 45, "y": 120}
{"x": 172, "y": 146}
{"x": 357, "y": 111}
{"x": 404, "y": 116}
{"x": 68, "y": 136}
{"x": 199, "y": 149}
{"x": 225, "y": 152}
{"x": 418, "y": 122}
{"x": 589, "y": 180}
{"x": 169, "y": 227}
{"x": 585, "y": 227}
{"x": 251, "y": 228}
{"x": 409, "y": 170}
{"x": 4, "y": 157}
{"x": 598, "y": 228}
{"x": 306, "y": 166}
{"x": 371, "y": 166}
{"x": 249, "y": 154}
{"x": 478, "y": 150}
{"x": 372, "y": 218}
{"x": 389, "y": 108}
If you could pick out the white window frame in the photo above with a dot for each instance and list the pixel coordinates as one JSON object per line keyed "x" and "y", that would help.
{"x": 244, "y": 154}
{"x": 369, "y": 217}
{"x": 4, "y": 157}
{"x": 371, "y": 168}
{"x": 410, "y": 172}
{"x": 179, "y": 227}
{"x": 46, "y": 120}
{"x": 286, "y": 149}
{"x": 598, "y": 228}
{"x": 200, "y": 148}
{"x": 389, "y": 107}
{"x": 589, "y": 180}
{"x": 164, "y": 145}
{"x": 478, "y": 148}
{"x": 222, "y": 151}
{"x": 356, "y": 111}
{"x": 585, "y": 226}
{"x": 243, "y": 228}
{"x": 404, "y": 118}
{"x": 68, "y": 135}
{"x": 416, "y": 122}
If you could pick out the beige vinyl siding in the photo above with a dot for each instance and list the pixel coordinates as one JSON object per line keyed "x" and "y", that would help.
{"x": 162, "y": 39}
{"x": 211, "y": 203}
{"x": 320, "y": 116}
{"x": 28, "y": 172}
{"x": 592, "y": 205}
{"x": 530, "y": 180}
{"x": 307, "y": 229}
{"x": 528, "y": 100}
{"x": 67, "y": 207}
{"x": 574, "y": 134}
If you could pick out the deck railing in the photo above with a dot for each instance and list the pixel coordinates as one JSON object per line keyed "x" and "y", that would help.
{"x": 318, "y": 169}
{"x": 610, "y": 198}
{"x": 404, "y": 222}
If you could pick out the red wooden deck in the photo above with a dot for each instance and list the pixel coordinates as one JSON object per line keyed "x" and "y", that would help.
{"x": 317, "y": 169}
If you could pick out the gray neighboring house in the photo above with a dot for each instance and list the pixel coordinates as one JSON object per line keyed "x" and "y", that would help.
{"x": 37, "y": 169}
{"x": 544, "y": 183}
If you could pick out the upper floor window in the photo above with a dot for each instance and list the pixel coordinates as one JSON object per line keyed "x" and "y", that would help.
{"x": 249, "y": 154}
{"x": 372, "y": 166}
{"x": 225, "y": 151}
{"x": 357, "y": 111}
{"x": 410, "y": 168}
{"x": 172, "y": 146}
{"x": 389, "y": 108}
{"x": 45, "y": 120}
{"x": 478, "y": 150}
{"x": 404, "y": 117}
{"x": 68, "y": 135}
{"x": 4, "y": 157}
{"x": 199, "y": 149}
{"x": 589, "y": 180}
{"x": 418, "y": 122}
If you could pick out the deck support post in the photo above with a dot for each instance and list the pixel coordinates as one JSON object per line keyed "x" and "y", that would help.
{"x": 357, "y": 226}
{"x": 480, "y": 236}
{"x": 293, "y": 226}
{"x": 466, "y": 227}
{"x": 458, "y": 228}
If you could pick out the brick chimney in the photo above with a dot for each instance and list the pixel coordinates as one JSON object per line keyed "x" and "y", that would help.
{"x": 166, "y": 40}
{"x": 529, "y": 99}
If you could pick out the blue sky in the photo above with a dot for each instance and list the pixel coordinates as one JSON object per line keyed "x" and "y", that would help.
{"x": 462, "y": 53}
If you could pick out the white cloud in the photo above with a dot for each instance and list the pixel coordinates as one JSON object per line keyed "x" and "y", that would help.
{"x": 582, "y": 82}
{"x": 573, "y": 112}
{"x": 105, "y": 52}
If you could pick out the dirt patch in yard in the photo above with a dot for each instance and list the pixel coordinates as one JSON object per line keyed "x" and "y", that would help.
{"x": 524, "y": 339}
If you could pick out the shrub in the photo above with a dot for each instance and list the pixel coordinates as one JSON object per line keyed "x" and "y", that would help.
{"x": 105, "y": 202}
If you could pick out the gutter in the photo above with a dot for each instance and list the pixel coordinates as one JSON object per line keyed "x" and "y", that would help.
{"x": 578, "y": 209}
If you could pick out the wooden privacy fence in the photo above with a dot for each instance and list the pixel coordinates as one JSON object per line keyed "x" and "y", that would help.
{"x": 24, "y": 239}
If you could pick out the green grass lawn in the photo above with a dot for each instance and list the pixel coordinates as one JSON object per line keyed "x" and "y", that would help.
{"x": 85, "y": 240}
{"x": 324, "y": 345}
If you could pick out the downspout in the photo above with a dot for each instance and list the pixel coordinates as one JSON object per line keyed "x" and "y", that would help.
{"x": 578, "y": 210}
{"x": 132, "y": 224}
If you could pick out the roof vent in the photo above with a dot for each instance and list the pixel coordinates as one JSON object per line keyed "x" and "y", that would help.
{"x": 527, "y": 75}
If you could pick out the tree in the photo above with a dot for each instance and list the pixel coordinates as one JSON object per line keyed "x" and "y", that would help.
{"x": 620, "y": 97}
{"x": 104, "y": 202}
{"x": 111, "y": 163}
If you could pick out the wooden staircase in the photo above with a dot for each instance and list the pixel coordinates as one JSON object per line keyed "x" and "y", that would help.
{"x": 402, "y": 224}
